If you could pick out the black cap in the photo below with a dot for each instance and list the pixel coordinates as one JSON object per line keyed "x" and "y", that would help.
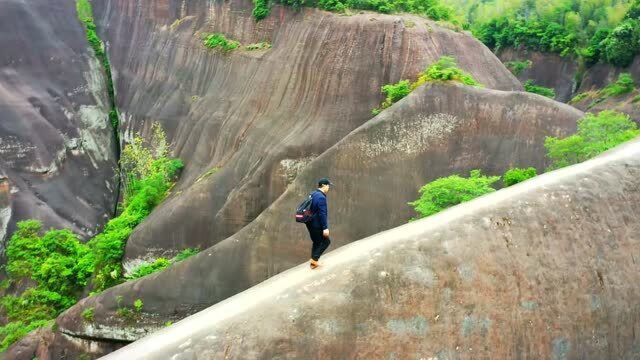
{"x": 324, "y": 181}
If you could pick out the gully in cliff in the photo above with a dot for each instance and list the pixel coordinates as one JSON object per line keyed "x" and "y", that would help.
{"x": 313, "y": 213}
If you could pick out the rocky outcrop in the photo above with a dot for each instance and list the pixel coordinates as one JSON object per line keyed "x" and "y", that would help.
{"x": 45, "y": 343}
{"x": 244, "y": 121}
{"x": 602, "y": 75}
{"x": 545, "y": 269}
{"x": 561, "y": 73}
{"x": 547, "y": 69}
{"x": 57, "y": 152}
{"x": 437, "y": 130}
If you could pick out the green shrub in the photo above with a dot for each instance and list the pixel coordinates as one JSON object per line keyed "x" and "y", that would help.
{"x": 217, "y": 40}
{"x": 184, "y": 254}
{"x": 517, "y": 67}
{"x": 445, "y": 69}
{"x": 452, "y": 190}
{"x": 516, "y": 175}
{"x": 596, "y": 134}
{"x": 393, "y": 92}
{"x": 579, "y": 97}
{"x": 87, "y": 314}
{"x": 260, "y": 9}
{"x": 529, "y": 86}
{"x": 149, "y": 268}
{"x": 60, "y": 265}
{"x": 137, "y": 305}
{"x": 148, "y": 174}
{"x": 16, "y": 330}
{"x": 159, "y": 264}
{"x": 636, "y": 99}
{"x": 623, "y": 85}
{"x": 57, "y": 260}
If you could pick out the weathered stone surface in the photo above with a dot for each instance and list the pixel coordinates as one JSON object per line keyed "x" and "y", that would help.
{"x": 547, "y": 69}
{"x": 546, "y": 269}
{"x": 436, "y": 131}
{"x": 249, "y": 112}
{"x": 45, "y": 344}
{"x": 57, "y": 154}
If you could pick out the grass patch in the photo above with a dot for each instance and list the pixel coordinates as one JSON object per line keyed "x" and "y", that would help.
{"x": 210, "y": 172}
{"x": 529, "y": 86}
{"x": 219, "y": 41}
{"x": 258, "y": 46}
{"x": 159, "y": 264}
{"x": 623, "y": 85}
{"x": 581, "y": 96}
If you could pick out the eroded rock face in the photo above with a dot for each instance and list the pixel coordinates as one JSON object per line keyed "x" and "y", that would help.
{"x": 547, "y": 69}
{"x": 436, "y": 131}
{"x": 57, "y": 153}
{"x": 544, "y": 269}
{"x": 44, "y": 343}
{"x": 244, "y": 113}
{"x": 602, "y": 75}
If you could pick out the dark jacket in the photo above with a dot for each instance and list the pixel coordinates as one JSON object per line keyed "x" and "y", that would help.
{"x": 320, "y": 218}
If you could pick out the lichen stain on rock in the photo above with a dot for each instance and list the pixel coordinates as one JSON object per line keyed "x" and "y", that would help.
{"x": 5, "y": 216}
{"x": 414, "y": 326}
{"x": 408, "y": 136}
{"x": 96, "y": 139}
{"x": 95, "y": 81}
{"x": 290, "y": 168}
{"x": 561, "y": 348}
{"x": 471, "y": 324}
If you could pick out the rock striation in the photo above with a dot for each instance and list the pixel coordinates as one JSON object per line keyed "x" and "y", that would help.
{"x": 245, "y": 122}
{"x": 544, "y": 269}
{"x": 57, "y": 148}
{"x": 437, "y": 130}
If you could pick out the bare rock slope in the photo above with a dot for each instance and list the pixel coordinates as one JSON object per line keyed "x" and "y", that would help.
{"x": 545, "y": 269}
{"x": 57, "y": 148}
{"x": 437, "y": 130}
{"x": 245, "y": 122}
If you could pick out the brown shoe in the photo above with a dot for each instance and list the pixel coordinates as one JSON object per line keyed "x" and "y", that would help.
{"x": 313, "y": 264}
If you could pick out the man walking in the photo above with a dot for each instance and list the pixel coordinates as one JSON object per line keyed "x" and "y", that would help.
{"x": 319, "y": 225}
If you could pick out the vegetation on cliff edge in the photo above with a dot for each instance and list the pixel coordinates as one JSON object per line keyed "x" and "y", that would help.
{"x": 62, "y": 266}
{"x": 596, "y": 134}
{"x": 443, "y": 70}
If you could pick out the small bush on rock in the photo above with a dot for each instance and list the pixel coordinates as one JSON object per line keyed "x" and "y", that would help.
{"x": 452, "y": 190}
{"x": 517, "y": 175}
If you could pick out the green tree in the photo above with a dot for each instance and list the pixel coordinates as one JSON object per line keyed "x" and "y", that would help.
{"x": 452, "y": 190}
{"x": 621, "y": 46}
{"x": 596, "y": 134}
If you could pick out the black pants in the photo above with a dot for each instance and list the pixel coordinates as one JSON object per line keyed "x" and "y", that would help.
{"x": 320, "y": 243}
